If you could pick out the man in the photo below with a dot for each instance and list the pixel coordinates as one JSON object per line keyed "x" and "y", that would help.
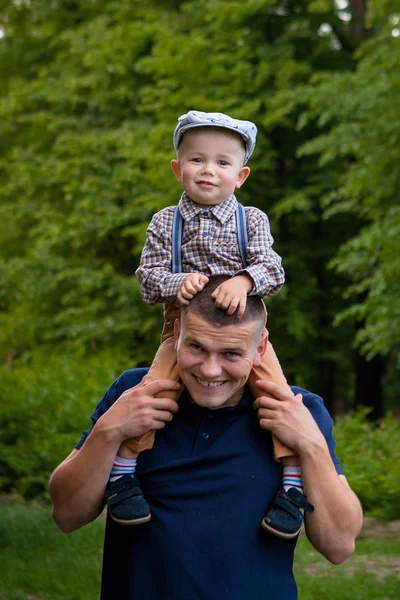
{"x": 211, "y": 474}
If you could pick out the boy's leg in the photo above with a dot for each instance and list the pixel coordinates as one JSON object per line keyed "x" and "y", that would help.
{"x": 124, "y": 496}
{"x": 285, "y": 517}
{"x": 163, "y": 367}
{"x": 271, "y": 370}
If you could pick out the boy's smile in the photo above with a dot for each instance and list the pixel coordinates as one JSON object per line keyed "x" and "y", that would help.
{"x": 210, "y": 164}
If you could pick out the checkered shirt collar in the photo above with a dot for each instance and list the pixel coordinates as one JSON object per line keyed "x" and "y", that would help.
{"x": 222, "y": 212}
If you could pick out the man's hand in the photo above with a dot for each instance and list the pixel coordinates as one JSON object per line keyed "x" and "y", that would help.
{"x": 232, "y": 294}
{"x": 138, "y": 411}
{"x": 190, "y": 286}
{"x": 285, "y": 415}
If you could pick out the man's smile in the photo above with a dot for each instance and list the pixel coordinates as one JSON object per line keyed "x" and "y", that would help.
{"x": 206, "y": 383}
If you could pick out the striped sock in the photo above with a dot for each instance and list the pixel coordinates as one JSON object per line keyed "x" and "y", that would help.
{"x": 292, "y": 478}
{"x": 122, "y": 466}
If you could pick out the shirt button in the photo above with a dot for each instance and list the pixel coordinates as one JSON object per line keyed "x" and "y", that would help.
{"x": 205, "y": 233}
{"x": 204, "y": 213}
{"x": 205, "y": 435}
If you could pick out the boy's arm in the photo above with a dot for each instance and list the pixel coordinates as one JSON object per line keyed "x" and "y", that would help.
{"x": 157, "y": 282}
{"x": 232, "y": 294}
{"x": 191, "y": 285}
{"x": 264, "y": 275}
{"x": 265, "y": 268}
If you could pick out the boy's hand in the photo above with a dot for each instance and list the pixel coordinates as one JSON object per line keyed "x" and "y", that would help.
{"x": 192, "y": 284}
{"x": 232, "y": 294}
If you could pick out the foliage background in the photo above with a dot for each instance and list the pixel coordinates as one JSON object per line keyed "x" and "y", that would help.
{"x": 89, "y": 96}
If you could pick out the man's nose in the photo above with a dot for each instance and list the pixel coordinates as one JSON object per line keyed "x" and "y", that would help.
{"x": 210, "y": 367}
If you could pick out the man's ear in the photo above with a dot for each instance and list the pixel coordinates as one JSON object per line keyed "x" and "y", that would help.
{"x": 261, "y": 349}
{"x": 242, "y": 176}
{"x": 177, "y": 332}
{"x": 175, "y": 166}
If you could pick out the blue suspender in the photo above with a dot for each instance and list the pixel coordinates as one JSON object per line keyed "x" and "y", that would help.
{"x": 177, "y": 233}
{"x": 241, "y": 229}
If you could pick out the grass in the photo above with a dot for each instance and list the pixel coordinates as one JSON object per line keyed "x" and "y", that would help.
{"x": 372, "y": 573}
{"x": 37, "y": 562}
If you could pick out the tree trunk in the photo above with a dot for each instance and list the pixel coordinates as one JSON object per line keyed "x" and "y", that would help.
{"x": 358, "y": 9}
{"x": 368, "y": 385}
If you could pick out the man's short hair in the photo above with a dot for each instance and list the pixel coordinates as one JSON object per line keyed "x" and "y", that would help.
{"x": 204, "y": 306}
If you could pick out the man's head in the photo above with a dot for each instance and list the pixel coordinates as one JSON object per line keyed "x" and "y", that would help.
{"x": 212, "y": 150}
{"x": 216, "y": 352}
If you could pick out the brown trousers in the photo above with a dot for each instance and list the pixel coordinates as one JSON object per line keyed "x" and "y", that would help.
{"x": 164, "y": 366}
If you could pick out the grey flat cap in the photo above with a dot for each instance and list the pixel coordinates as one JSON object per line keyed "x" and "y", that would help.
{"x": 196, "y": 118}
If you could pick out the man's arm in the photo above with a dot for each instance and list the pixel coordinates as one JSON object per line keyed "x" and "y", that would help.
{"x": 78, "y": 484}
{"x": 337, "y": 519}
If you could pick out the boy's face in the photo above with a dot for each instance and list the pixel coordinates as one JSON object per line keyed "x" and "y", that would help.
{"x": 209, "y": 164}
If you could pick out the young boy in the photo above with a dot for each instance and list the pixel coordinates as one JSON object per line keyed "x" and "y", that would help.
{"x": 212, "y": 151}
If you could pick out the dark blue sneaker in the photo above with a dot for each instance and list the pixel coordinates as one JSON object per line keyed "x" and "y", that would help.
{"x": 284, "y": 518}
{"x": 126, "y": 503}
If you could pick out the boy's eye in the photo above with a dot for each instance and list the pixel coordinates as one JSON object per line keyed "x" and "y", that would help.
{"x": 223, "y": 163}
{"x": 196, "y": 159}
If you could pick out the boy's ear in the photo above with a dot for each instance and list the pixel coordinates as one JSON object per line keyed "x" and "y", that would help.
{"x": 242, "y": 176}
{"x": 176, "y": 169}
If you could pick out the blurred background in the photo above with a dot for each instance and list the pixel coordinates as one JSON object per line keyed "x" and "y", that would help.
{"x": 90, "y": 92}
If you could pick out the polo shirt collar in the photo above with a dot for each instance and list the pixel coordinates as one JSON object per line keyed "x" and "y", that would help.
{"x": 223, "y": 212}
{"x": 245, "y": 405}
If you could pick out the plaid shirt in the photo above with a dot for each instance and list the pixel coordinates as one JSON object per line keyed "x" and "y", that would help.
{"x": 209, "y": 246}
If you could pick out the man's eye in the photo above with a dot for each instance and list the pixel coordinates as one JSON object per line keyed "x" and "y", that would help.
{"x": 232, "y": 354}
{"x": 195, "y": 347}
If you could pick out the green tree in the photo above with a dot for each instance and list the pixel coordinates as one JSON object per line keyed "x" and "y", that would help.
{"x": 73, "y": 158}
{"x": 247, "y": 57}
{"x": 89, "y": 98}
{"x": 361, "y": 132}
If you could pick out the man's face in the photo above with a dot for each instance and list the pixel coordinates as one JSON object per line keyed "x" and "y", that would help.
{"x": 210, "y": 164}
{"x": 214, "y": 362}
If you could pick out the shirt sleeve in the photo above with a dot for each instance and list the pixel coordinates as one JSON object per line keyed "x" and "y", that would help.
{"x": 265, "y": 265}
{"x": 316, "y": 406}
{"x": 127, "y": 380}
{"x": 157, "y": 282}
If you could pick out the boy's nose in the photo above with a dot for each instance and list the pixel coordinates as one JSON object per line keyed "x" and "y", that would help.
{"x": 208, "y": 168}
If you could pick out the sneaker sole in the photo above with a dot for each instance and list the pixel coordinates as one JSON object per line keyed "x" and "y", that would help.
{"x": 277, "y": 533}
{"x": 132, "y": 521}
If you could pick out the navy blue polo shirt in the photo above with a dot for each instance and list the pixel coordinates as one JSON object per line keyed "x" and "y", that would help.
{"x": 209, "y": 481}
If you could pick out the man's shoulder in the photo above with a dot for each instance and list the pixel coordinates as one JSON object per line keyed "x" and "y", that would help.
{"x": 130, "y": 378}
{"x": 316, "y": 406}
{"x": 308, "y": 397}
